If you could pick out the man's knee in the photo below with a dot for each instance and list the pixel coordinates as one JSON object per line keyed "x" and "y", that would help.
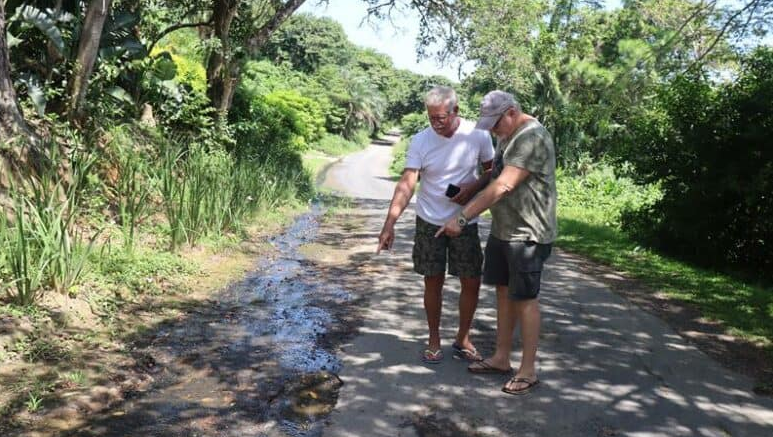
{"x": 527, "y": 306}
{"x": 470, "y": 285}
{"x": 434, "y": 282}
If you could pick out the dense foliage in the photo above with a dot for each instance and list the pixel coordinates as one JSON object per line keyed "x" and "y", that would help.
{"x": 710, "y": 147}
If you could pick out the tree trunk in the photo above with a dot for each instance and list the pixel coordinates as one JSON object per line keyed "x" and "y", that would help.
{"x": 88, "y": 48}
{"x": 223, "y": 71}
{"x": 12, "y": 124}
{"x": 220, "y": 78}
{"x": 18, "y": 143}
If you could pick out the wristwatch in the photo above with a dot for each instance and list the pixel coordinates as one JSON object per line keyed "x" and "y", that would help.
{"x": 461, "y": 220}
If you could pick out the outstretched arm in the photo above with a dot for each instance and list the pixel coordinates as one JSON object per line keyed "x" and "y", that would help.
{"x": 400, "y": 198}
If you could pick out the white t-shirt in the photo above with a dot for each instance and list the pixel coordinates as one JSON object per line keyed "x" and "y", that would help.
{"x": 442, "y": 161}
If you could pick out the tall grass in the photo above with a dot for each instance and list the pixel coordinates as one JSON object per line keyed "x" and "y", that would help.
{"x": 173, "y": 191}
{"x": 26, "y": 263}
{"x": 202, "y": 192}
{"x": 133, "y": 192}
{"x": 42, "y": 245}
{"x": 209, "y": 192}
{"x": 274, "y": 184}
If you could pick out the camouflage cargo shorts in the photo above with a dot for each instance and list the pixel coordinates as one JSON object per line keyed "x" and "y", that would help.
{"x": 463, "y": 253}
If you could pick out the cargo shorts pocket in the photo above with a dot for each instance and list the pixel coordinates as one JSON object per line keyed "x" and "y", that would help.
{"x": 526, "y": 269}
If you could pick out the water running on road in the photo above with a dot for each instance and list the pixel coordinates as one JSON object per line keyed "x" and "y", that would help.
{"x": 258, "y": 361}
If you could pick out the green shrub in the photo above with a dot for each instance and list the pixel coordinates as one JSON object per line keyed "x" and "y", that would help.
{"x": 191, "y": 73}
{"x": 188, "y": 65}
{"x": 710, "y": 147}
{"x": 260, "y": 78}
{"x": 186, "y": 115}
{"x": 412, "y": 124}
{"x": 398, "y": 156}
{"x": 268, "y": 132}
{"x": 601, "y": 193}
{"x": 311, "y": 122}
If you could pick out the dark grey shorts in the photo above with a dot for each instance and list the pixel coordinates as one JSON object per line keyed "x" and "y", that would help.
{"x": 430, "y": 254}
{"x": 517, "y": 264}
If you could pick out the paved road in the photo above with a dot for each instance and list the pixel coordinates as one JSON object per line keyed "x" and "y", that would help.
{"x": 607, "y": 367}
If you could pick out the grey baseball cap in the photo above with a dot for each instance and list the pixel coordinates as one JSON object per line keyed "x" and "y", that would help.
{"x": 493, "y": 105}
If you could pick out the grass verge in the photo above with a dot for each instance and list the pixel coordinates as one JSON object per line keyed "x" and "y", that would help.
{"x": 746, "y": 310}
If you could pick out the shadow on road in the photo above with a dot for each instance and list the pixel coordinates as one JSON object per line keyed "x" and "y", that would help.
{"x": 607, "y": 367}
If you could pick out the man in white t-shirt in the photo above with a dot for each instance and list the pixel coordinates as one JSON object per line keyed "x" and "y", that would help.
{"x": 447, "y": 156}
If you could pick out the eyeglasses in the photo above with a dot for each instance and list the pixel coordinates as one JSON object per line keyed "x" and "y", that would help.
{"x": 440, "y": 118}
{"x": 500, "y": 119}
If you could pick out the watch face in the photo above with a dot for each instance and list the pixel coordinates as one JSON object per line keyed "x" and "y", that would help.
{"x": 461, "y": 221}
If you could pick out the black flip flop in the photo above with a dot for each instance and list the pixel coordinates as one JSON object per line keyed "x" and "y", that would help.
{"x": 530, "y": 384}
{"x": 484, "y": 368}
{"x": 466, "y": 354}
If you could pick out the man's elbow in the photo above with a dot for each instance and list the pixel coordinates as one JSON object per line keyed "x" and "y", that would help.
{"x": 503, "y": 188}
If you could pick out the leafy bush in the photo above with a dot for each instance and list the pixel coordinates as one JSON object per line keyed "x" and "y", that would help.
{"x": 599, "y": 190}
{"x": 183, "y": 111}
{"x": 190, "y": 73}
{"x": 263, "y": 77}
{"x": 268, "y": 132}
{"x": 412, "y": 124}
{"x": 710, "y": 148}
{"x": 311, "y": 122}
{"x": 398, "y": 156}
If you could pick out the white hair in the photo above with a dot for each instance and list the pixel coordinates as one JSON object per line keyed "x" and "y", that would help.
{"x": 440, "y": 95}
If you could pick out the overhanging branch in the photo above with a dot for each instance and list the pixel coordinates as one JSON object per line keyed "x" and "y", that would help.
{"x": 171, "y": 29}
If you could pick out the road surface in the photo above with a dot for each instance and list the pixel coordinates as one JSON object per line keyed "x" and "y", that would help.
{"x": 607, "y": 367}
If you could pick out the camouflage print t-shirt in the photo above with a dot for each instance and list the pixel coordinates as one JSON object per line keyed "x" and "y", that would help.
{"x": 528, "y": 213}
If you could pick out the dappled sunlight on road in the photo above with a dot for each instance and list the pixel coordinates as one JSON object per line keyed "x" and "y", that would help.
{"x": 607, "y": 368}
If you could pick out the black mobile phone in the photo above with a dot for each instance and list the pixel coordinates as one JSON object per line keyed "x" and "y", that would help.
{"x": 452, "y": 190}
